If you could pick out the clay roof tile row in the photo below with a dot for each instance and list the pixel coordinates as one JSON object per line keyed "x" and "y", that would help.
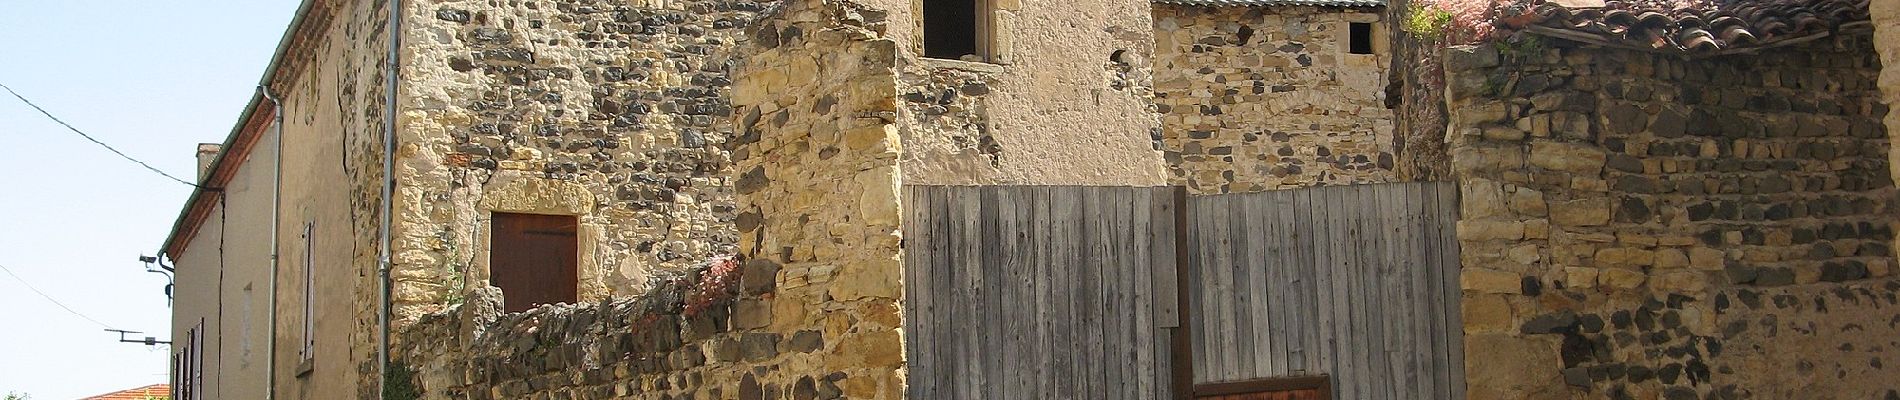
{"x": 1724, "y": 26}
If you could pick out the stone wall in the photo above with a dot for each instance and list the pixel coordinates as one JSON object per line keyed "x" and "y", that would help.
{"x": 1886, "y": 18}
{"x": 813, "y": 314}
{"x": 1066, "y": 99}
{"x": 1645, "y": 226}
{"x": 817, "y": 161}
{"x": 613, "y": 111}
{"x": 1263, "y": 98}
{"x": 689, "y": 337}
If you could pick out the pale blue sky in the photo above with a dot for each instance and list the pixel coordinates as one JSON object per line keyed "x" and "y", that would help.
{"x": 153, "y": 78}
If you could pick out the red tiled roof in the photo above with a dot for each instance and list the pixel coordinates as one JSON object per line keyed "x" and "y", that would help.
{"x": 1724, "y": 26}
{"x": 159, "y": 391}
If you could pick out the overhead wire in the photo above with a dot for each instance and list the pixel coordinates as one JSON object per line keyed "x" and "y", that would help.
{"x": 50, "y": 298}
{"x": 83, "y": 134}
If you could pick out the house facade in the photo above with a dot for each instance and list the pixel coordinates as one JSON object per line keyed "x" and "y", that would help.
{"x": 705, "y": 198}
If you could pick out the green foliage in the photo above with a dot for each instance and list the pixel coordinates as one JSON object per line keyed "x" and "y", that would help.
{"x": 1520, "y": 46}
{"x": 17, "y": 396}
{"x": 1426, "y": 22}
{"x": 399, "y": 383}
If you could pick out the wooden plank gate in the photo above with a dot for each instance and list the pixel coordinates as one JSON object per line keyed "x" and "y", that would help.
{"x": 1359, "y": 283}
{"x": 1039, "y": 292}
{"x": 1052, "y": 292}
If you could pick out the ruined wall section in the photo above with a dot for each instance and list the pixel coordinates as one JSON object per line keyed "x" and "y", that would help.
{"x": 616, "y": 112}
{"x": 811, "y": 313}
{"x": 1065, "y": 99}
{"x": 694, "y": 336}
{"x": 1264, "y": 98}
{"x": 1644, "y": 226}
{"x": 818, "y": 181}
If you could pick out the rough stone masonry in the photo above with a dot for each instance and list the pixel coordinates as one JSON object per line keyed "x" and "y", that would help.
{"x": 1646, "y": 226}
{"x": 1265, "y": 98}
{"x": 616, "y": 112}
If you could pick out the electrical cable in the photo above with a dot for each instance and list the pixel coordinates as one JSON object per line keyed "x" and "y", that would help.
{"x": 56, "y": 302}
{"x": 94, "y": 141}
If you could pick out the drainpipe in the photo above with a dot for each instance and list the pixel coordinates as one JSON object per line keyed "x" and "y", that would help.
{"x": 392, "y": 74}
{"x": 276, "y": 222}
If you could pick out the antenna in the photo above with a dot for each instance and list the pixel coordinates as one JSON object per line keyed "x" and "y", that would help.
{"x": 149, "y": 341}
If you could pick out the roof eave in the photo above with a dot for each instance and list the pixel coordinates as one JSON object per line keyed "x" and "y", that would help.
{"x": 187, "y": 223}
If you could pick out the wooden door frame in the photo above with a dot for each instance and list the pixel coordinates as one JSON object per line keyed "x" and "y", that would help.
{"x": 1181, "y": 342}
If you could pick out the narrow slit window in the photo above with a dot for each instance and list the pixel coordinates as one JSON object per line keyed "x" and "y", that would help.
{"x": 532, "y": 258}
{"x": 955, "y": 29}
{"x": 1359, "y": 38}
{"x": 309, "y": 290}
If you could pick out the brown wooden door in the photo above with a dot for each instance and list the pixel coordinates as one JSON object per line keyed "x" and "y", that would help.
{"x": 532, "y": 259}
{"x": 1317, "y": 387}
{"x": 1301, "y": 394}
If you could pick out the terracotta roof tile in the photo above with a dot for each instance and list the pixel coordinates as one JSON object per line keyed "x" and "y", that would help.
{"x": 1731, "y": 25}
{"x": 159, "y": 391}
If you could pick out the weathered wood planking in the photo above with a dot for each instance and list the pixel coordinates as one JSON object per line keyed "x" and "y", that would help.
{"x": 1039, "y": 292}
{"x": 1358, "y": 282}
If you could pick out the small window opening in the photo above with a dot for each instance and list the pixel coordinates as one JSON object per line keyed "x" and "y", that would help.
{"x": 309, "y": 291}
{"x": 955, "y": 29}
{"x": 532, "y": 258}
{"x": 1359, "y": 38}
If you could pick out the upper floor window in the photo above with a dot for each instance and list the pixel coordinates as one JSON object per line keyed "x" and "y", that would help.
{"x": 957, "y": 29}
{"x": 532, "y": 258}
{"x": 1359, "y": 38}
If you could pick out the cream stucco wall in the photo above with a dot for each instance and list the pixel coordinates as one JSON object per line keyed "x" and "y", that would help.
{"x": 1067, "y": 100}
{"x": 330, "y": 94}
{"x": 223, "y": 280}
{"x": 333, "y": 130}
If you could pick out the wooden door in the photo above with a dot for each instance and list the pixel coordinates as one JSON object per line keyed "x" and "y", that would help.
{"x": 532, "y": 259}
{"x": 1318, "y": 387}
{"x": 1302, "y": 394}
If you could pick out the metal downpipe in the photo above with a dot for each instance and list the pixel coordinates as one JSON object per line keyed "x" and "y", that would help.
{"x": 276, "y": 224}
{"x": 391, "y": 87}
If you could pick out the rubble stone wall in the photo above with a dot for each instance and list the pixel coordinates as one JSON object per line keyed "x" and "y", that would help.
{"x": 1886, "y": 18}
{"x": 1647, "y": 226}
{"x": 818, "y": 179}
{"x": 689, "y": 337}
{"x": 1263, "y": 98}
{"x": 812, "y": 313}
{"x": 613, "y": 111}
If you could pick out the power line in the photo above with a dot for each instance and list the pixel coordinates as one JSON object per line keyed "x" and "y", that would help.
{"x": 29, "y": 286}
{"x": 89, "y": 137}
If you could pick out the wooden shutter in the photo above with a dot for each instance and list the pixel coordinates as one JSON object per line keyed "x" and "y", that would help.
{"x": 532, "y": 259}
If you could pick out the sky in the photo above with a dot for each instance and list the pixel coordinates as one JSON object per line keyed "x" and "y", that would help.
{"x": 154, "y": 79}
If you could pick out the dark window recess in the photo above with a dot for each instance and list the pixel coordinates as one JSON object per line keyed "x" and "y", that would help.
{"x": 1360, "y": 41}
{"x": 532, "y": 259}
{"x": 950, "y": 28}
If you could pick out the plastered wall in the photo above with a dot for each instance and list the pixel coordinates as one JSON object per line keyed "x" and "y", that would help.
{"x": 1066, "y": 98}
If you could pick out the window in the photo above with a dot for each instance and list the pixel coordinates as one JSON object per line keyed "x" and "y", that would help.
{"x": 1359, "y": 39}
{"x": 309, "y": 296}
{"x": 532, "y": 259}
{"x": 956, "y": 29}
{"x": 188, "y": 365}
